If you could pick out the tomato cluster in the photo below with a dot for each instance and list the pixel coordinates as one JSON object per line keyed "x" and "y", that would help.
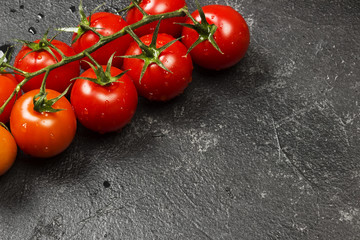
{"x": 148, "y": 61}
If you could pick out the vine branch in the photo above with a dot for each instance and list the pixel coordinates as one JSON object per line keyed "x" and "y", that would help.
{"x": 102, "y": 41}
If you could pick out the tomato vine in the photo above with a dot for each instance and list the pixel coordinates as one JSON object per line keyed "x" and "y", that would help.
{"x": 103, "y": 40}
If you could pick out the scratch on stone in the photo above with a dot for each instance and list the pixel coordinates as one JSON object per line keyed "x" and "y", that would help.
{"x": 187, "y": 197}
{"x": 298, "y": 171}
{"x": 185, "y": 217}
{"x": 227, "y": 223}
{"x": 277, "y": 138}
{"x": 109, "y": 210}
{"x": 287, "y": 159}
{"x": 200, "y": 229}
{"x": 342, "y": 127}
{"x": 293, "y": 115}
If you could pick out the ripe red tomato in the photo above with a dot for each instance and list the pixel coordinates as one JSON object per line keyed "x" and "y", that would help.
{"x": 8, "y": 150}
{"x": 43, "y": 134}
{"x": 104, "y": 108}
{"x": 232, "y": 36}
{"x": 153, "y": 7}
{"x": 8, "y": 84}
{"x": 107, "y": 24}
{"x": 58, "y": 79}
{"x": 158, "y": 84}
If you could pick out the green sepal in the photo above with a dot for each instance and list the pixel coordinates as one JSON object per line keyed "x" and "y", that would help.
{"x": 43, "y": 45}
{"x": 136, "y": 4}
{"x": 150, "y": 54}
{"x": 205, "y": 30}
{"x": 42, "y": 104}
{"x": 103, "y": 78}
{"x": 84, "y": 24}
{"x": 129, "y": 7}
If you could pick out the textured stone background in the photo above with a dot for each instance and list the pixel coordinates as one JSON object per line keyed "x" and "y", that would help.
{"x": 268, "y": 149}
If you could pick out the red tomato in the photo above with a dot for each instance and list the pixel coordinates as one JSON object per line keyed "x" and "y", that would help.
{"x": 107, "y": 24}
{"x": 58, "y": 79}
{"x": 158, "y": 84}
{"x": 153, "y": 7}
{"x": 104, "y": 108}
{"x": 8, "y": 150}
{"x": 43, "y": 134}
{"x": 8, "y": 84}
{"x": 232, "y": 36}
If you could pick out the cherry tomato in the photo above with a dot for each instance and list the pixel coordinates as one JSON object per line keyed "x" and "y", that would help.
{"x": 8, "y": 84}
{"x": 104, "y": 108}
{"x": 153, "y": 7}
{"x": 8, "y": 150}
{"x": 232, "y": 36}
{"x": 106, "y": 24}
{"x": 58, "y": 79}
{"x": 158, "y": 84}
{"x": 43, "y": 134}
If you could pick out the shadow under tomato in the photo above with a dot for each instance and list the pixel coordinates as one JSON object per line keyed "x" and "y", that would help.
{"x": 242, "y": 79}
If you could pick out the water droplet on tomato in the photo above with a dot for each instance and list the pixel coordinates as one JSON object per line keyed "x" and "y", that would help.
{"x": 24, "y": 126}
{"x": 85, "y": 112}
{"x": 46, "y": 149}
{"x": 39, "y": 57}
{"x": 102, "y": 115}
{"x": 52, "y": 136}
{"x": 166, "y": 84}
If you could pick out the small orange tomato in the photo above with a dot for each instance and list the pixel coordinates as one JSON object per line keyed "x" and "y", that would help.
{"x": 8, "y": 150}
{"x": 44, "y": 134}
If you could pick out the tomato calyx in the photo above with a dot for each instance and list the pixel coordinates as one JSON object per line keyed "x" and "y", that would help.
{"x": 42, "y": 104}
{"x": 150, "y": 54}
{"x": 205, "y": 30}
{"x": 103, "y": 78}
{"x": 44, "y": 44}
{"x": 84, "y": 24}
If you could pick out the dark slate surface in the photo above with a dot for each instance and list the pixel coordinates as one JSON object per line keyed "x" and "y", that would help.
{"x": 268, "y": 149}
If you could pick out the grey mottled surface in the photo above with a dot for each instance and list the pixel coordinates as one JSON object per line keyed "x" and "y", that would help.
{"x": 268, "y": 149}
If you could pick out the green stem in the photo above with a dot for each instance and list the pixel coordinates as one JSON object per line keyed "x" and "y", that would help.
{"x": 6, "y": 65}
{"x": 103, "y": 41}
{"x": 43, "y": 83}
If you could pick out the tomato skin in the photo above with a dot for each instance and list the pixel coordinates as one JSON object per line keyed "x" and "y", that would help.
{"x": 104, "y": 108}
{"x": 8, "y": 84}
{"x": 58, "y": 79}
{"x": 42, "y": 135}
{"x": 157, "y": 84}
{"x": 232, "y": 36}
{"x": 108, "y": 24}
{"x": 8, "y": 150}
{"x": 153, "y": 7}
